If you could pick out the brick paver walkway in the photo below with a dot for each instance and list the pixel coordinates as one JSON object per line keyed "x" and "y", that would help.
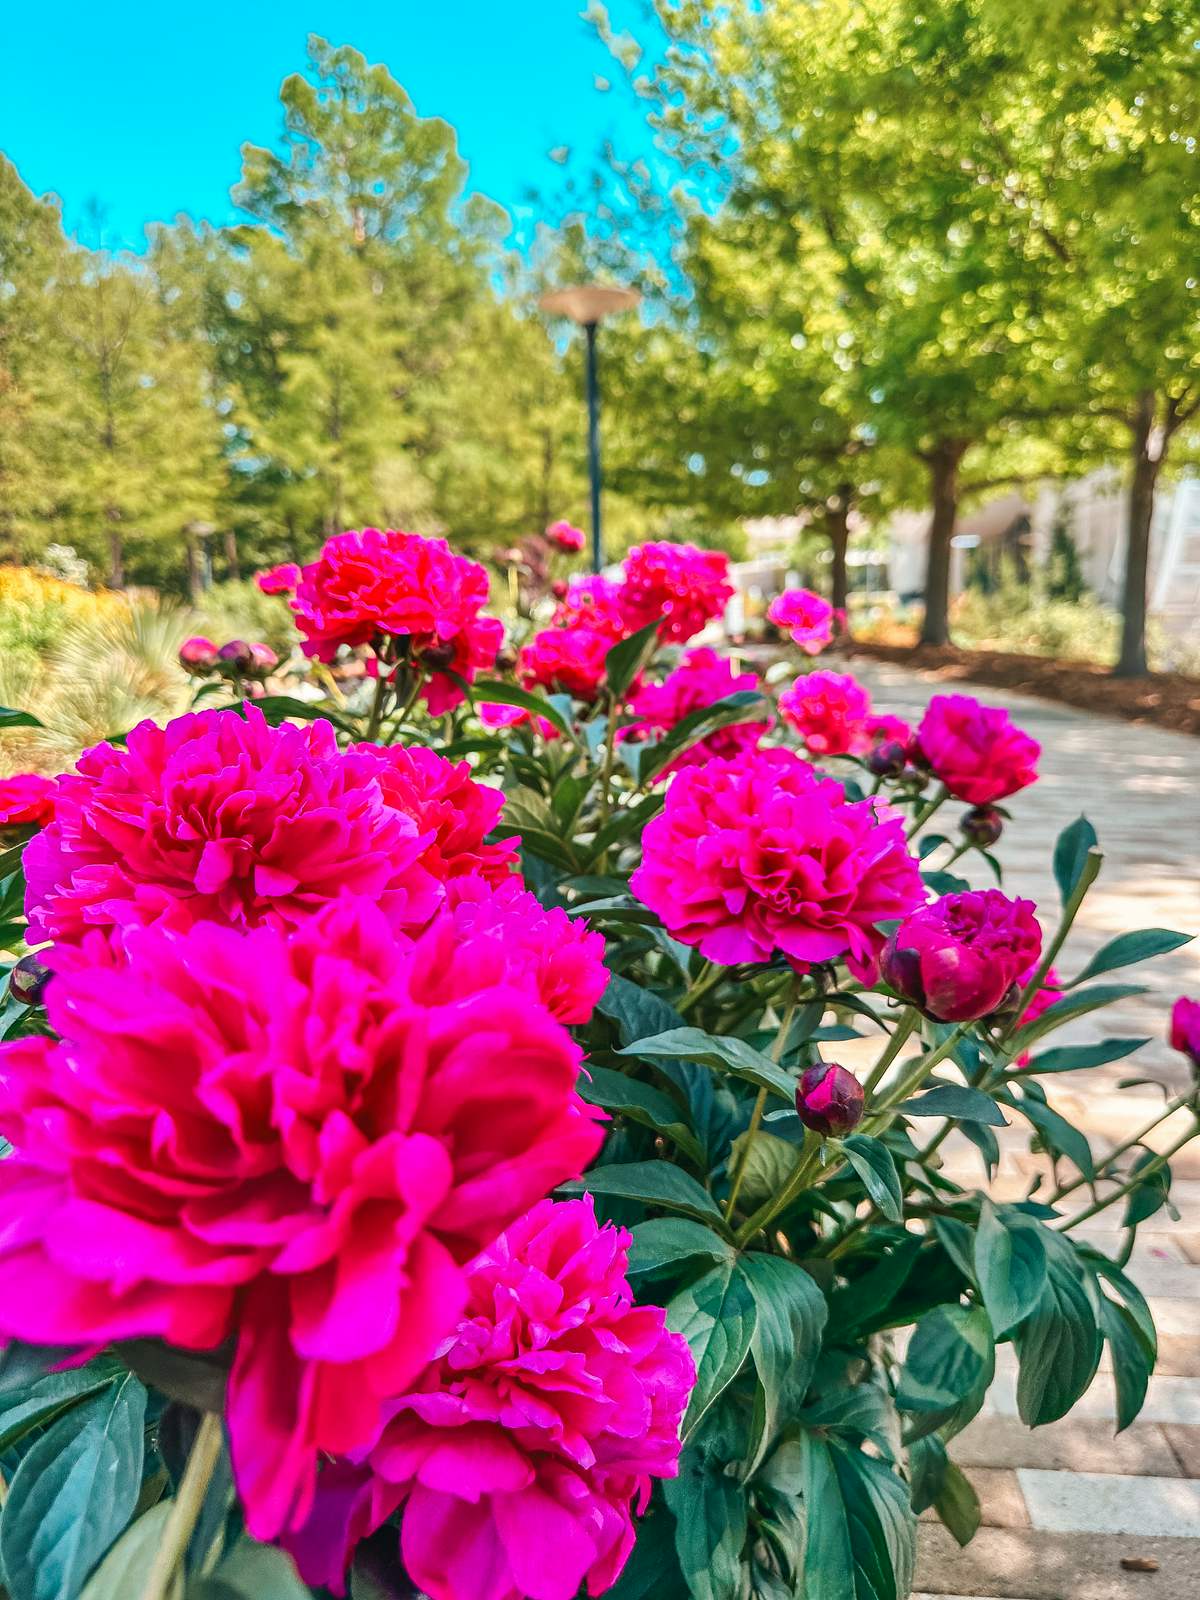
{"x": 1064, "y": 1506}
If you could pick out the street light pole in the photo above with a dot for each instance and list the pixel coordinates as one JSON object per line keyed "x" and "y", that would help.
{"x": 588, "y": 304}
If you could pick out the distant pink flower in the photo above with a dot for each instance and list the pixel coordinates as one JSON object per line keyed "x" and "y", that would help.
{"x": 761, "y": 854}
{"x": 964, "y": 955}
{"x": 27, "y": 798}
{"x": 521, "y": 1457}
{"x": 565, "y": 661}
{"x": 279, "y": 580}
{"x": 294, "y": 1139}
{"x": 593, "y": 602}
{"x": 701, "y": 679}
{"x": 883, "y": 728}
{"x": 1185, "y": 1028}
{"x": 565, "y": 536}
{"x": 830, "y": 711}
{"x": 220, "y": 817}
{"x": 381, "y": 584}
{"x": 199, "y": 656}
{"x": 560, "y": 955}
{"x": 806, "y": 616}
{"x": 677, "y": 585}
{"x": 975, "y": 750}
{"x": 493, "y": 714}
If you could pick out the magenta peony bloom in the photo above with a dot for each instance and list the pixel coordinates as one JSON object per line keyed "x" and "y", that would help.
{"x": 279, "y": 580}
{"x": 762, "y": 854}
{"x": 292, "y": 1139}
{"x": 830, "y": 711}
{"x": 960, "y": 958}
{"x": 677, "y": 585}
{"x": 829, "y": 1099}
{"x": 975, "y": 750}
{"x": 883, "y": 728}
{"x": 524, "y": 1452}
{"x": 565, "y": 661}
{"x": 222, "y": 818}
{"x": 806, "y": 616}
{"x": 593, "y": 602}
{"x": 562, "y": 957}
{"x": 1185, "y": 1028}
{"x": 27, "y": 799}
{"x": 565, "y": 536}
{"x": 700, "y": 681}
{"x": 382, "y": 584}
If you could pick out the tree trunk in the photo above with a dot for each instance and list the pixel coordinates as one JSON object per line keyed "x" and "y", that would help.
{"x": 195, "y": 577}
{"x": 1147, "y": 463}
{"x": 232, "y": 565}
{"x": 837, "y": 518}
{"x": 116, "y": 551}
{"x": 943, "y": 474}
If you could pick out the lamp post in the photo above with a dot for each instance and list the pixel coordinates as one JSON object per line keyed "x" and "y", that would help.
{"x": 588, "y": 304}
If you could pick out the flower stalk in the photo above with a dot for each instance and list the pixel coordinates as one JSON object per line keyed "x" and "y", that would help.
{"x": 185, "y": 1508}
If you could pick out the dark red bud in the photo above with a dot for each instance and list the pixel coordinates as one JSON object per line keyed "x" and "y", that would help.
{"x": 829, "y": 1099}
{"x": 888, "y": 759}
{"x": 237, "y": 655}
{"x": 437, "y": 656}
{"x": 982, "y": 825}
{"x": 560, "y": 588}
{"x": 901, "y": 971}
{"x": 28, "y": 979}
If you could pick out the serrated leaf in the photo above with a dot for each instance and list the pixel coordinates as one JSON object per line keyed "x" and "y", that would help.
{"x": 873, "y": 1162}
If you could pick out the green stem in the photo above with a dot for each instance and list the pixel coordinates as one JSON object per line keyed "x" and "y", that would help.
{"x": 185, "y": 1508}
{"x": 904, "y": 1086}
{"x": 610, "y": 750}
{"x": 1087, "y": 877}
{"x": 377, "y": 705}
{"x": 1135, "y": 1182}
{"x": 900, "y": 1035}
{"x": 793, "y": 1185}
{"x": 710, "y": 975}
{"x": 1168, "y": 1110}
{"x": 926, "y": 811}
{"x": 743, "y": 1155}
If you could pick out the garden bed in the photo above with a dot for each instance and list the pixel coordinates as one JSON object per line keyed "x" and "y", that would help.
{"x": 1167, "y": 699}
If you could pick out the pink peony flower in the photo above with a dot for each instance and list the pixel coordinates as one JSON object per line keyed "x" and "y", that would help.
{"x": 292, "y": 1139}
{"x": 677, "y": 585}
{"x": 523, "y": 1453}
{"x": 562, "y": 957}
{"x": 593, "y": 602}
{"x": 565, "y": 661}
{"x": 1185, "y": 1028}
{"x": 495, "y": 715}
{"x": 806, "y": 616}
{"x": 830, "y": 711}
{"x": 282, "y": 579}
{"x": 382, "y": 584}
{"x": 762, "y": 854}
{"x": 960, "y": 957}
{"x": 975, "y": 750}
{"x": 883, "y": 728}
{"x": 222, "y": 818}
{"x": 27, "y": 799}
{"x": 565, "y": 536}
{"x": 700, "y": 681}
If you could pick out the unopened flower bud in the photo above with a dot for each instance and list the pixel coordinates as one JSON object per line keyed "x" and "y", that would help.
{"x": 888, "y": 759}
{"x": 560, "y": 588}
{"x": 829, "y": 1099}
{"x": 265, "y": 660}
{"x": 198, "y": 656}
{"x": 237, "y": 656}
{"x": 437, "y": 656}
{"x": 982, "y": 826}
{"x": 28, "y": 979}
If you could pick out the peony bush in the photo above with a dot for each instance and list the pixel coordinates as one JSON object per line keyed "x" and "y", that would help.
{"x": 427, "y": 1164}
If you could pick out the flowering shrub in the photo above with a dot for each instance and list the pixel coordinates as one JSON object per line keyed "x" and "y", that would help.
{"x": 427, "y": 1149}
{"x": 806, "y": 616}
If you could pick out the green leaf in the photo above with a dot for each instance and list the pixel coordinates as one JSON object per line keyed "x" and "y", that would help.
{"x": 277, "y": 708}
{"x": 1010, "y": 1264}
{"x": 45, "y": 1399}
{"x": 956, "y": 1100}
{"x": 627, "y": 658}
{"x": 1151, "y": 1193}
{"x": 740, "y": 707}
{"x": 874, "y": 1164}
{"x": 256, "y": 1571}
{"x": 72, "y": 1494}
{"x": 1059, "y": 1136}
{"x": 866, "y": 1299}
{"x": 857, "y": 1412}
{"x": 616, "y": 1091}
{"x": 951, "y": 1360}
{"x": 786, "y": 1339}
{"x": 666, "y": 1241}
{"x": 652, "y": 1571}
{"x": 1074, "y": 1057}
{"x": 123, "y": 1572}
{"x": 958, "y": 1241}
{"x": 1128, "y": 948}
{"x": 21, "y": 1365}
{"x": 1058, "y": 1345}
{"x": 1070, "y": 855}
{"x": 654, "y": 1183}
{"x": 1130, "y": 1363}
{"x": 710, "y": 1527}
{"x": 636, "y": 1011}
{"x": 861, "y": 1533}
{"x": 494, "y": 691}
{"x": 716, "y": 1315}
{"x": 726, "y": 1054}
{"x": 1134, "y": 1299}
{"x": 957, "y": 1504}
{"x": 769, "y": 1164}
{"x": 1071, "y": 1006}
{"x": 17, "y": 719}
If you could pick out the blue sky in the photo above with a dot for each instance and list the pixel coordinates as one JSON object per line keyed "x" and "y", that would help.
{"x": 142, "y": 107}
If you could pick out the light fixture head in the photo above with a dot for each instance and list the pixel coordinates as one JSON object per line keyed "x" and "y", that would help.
{"x": 589, "y": 302}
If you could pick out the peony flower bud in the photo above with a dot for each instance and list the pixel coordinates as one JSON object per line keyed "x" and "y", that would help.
{"x": 959, "y": 958}
{"x": 888, "y": 759}
{"x": 560, "y": 588}
{"x": 435, "y": 657}
{"x": 829, "y": 1099}
{"x": 28, "y": 979}
{"x": 565, "y": 536}
{"x": 982, "y": 826}
{"x": 265, "y": 660}
{"x": 1185, "y": 1029}
{"x": 198, "y": 656}
{"x": 237, "y": 656}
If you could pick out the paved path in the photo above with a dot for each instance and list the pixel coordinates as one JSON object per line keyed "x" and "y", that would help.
{"x": 1064, "y": 1505}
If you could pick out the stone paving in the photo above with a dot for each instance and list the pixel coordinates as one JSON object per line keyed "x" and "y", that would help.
{"x": 1066, "y": 1505}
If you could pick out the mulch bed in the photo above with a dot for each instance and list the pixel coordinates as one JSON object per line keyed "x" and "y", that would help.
{"x": 1167, "y": 699}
